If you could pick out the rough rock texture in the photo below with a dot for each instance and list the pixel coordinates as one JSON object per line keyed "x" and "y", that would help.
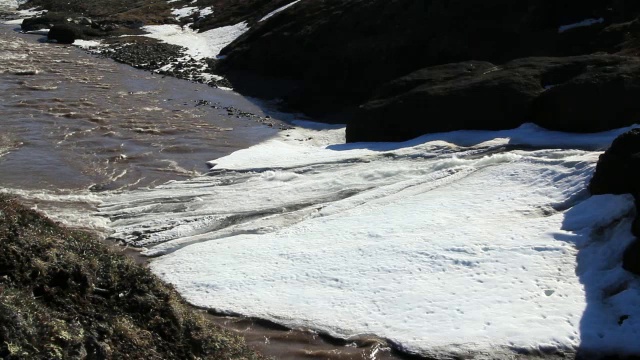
{"x": 578, "y": 94}
{"x": 65, "y": 295}
{"x": 231, "y": 12}
{"x": 618, "y": 172}
{"x": 602, "y": 95}
{"x": 64, "y": 33}
{"x": 468, "y": 95}
{"x": 340, "y": 51}
{"x": 45, "y": 21}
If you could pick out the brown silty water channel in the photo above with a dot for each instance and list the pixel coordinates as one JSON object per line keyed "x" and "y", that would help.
{"x": 74, "y": 125}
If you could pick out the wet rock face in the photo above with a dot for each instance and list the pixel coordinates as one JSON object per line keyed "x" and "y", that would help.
{"x": 599, "y": 98}
{"x": 618, "y": 172}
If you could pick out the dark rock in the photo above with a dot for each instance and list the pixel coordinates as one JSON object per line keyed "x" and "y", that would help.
{"x": 576, "y": 94}
{"x": 604, "y": 96}
{"x": 231, "y": 12}
{"x": 44, "y": 22}
{"x": 631, "y": 258}
{"x": 469, "y": 95}
{"x": 618, "y": 169}
{"x": 340, "y": 52}
{"x": 618, "y": 172}
{"x": 65, "y": 33}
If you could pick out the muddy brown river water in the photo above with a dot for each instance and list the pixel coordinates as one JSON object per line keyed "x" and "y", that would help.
{"x": 74, "y": 125}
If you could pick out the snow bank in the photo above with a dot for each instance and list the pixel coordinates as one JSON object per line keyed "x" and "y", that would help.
{"x": 278, "y": 10}
{"x": 201, "y": 45}
{"x": 470, "y": 241}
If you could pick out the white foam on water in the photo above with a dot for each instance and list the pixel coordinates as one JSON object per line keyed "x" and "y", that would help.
{"x": 69, "y": 207}
{"x": 88, "y": 44}
{"x": 469, "y": 241}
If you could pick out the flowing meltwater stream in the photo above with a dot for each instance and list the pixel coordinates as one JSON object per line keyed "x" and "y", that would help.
{"x": 482, "y": 244}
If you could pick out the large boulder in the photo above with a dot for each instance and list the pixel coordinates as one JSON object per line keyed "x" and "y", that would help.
{"x": 468, "y": 95}
{"x": 65, "y": 33}
{"x": 45, "y": 21}
{"x": 602, "y": 96}
{"x": 576, "y": 94}
{"x": 339, "y": 52}
{"x": 618, "y": 172}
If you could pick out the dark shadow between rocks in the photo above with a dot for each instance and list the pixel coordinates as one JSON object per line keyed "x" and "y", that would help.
{"x": 601, "y": 242}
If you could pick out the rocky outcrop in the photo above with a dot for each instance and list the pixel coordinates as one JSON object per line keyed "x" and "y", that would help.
{"x": 45, "y": 21}
{"x": 578, "y": 94}
{"x": 231, "y": 12}
{"x": 340, "y": 52}
{"x": 467, "y": 95}
{"x": 618, "y": 172}
{"x": 64, "y": 33}
{"x": 601, "y": 95}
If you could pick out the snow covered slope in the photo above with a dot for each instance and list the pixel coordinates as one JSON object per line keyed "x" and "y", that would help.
{"x": 199, "y": 44}
{"x": 457, "y": 243}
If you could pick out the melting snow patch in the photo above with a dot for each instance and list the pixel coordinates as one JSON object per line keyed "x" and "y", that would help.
{"x": 583, "y": 23}
{"x": 184, "y": 12}
{"x": 206, "y": 11}
{"x": 278, "y": 10}
{"x": 199, "y": 45}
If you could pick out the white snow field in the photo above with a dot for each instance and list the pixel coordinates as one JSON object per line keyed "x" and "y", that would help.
{"x": 470, "y": 242}
{"x": 199, "y": 44}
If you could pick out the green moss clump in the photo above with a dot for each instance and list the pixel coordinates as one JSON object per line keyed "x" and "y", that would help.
{"x": 66, "y": 295}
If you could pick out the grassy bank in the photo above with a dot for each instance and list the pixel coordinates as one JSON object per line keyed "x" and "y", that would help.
{"x": 66, "y": 295}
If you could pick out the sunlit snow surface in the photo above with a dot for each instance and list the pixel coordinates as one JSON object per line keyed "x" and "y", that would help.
{"x": 462, "y": 242}
{"x": 207, "y": 44}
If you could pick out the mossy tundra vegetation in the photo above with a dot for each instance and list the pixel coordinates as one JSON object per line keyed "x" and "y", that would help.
{"x": 64, "y": 294}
